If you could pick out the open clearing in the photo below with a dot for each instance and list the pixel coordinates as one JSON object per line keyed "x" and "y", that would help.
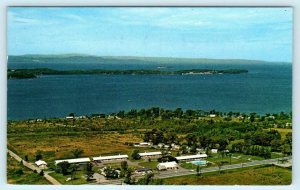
{"x": 61, "y": 146}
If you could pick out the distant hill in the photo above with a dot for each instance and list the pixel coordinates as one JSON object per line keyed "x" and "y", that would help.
{"x": 82, "y": 58}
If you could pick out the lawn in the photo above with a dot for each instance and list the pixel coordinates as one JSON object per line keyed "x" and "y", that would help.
{"x": 113, "y": 165}
{"x": 235, "y": 159}
{"x": 259, "y": 175}
{"x": 151, "y": 164}
{"x": 18, "y": 174}
{"x": 78, "y": 180}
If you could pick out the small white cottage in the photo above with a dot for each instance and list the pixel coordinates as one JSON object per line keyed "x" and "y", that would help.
{"x": 41, "y": 164}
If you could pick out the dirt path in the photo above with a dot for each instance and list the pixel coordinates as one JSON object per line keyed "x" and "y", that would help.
{"x": 33, "y": 167}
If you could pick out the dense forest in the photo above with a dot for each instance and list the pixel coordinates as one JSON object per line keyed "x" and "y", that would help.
{"x": 250, "y": 134}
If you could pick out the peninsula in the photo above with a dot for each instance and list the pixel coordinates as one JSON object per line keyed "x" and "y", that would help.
{"x": 33, "y": 73}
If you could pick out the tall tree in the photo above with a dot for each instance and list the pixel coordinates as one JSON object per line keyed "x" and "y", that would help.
{"x": 135, "y": 154}
{"x": 73, "y": 168}
{"x": 38, "y": 155}
{"x": 77, "y": 152}
{"x": 220, "y": 164}
{"x": 124, "y": 165}
{"x": 64, "y": 167}
{"x": 89, "y": 171}
{"x": 128, "y": 179}
{"x": 199, "y": 169}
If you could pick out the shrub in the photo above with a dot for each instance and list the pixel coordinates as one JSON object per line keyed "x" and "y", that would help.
{"x": 18, "y": 172}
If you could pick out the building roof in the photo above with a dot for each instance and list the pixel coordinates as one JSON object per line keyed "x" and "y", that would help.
{"x": 73, "y": 161}
{"x": 145, "y": 143}
{"x": 40, "y": 162}
{"x": 143, "y": 169}
{"x": 167, "y": 164}
{"x": 150, "y": 153}
{"x": 191, "y": 157}
{"x": 110, "y": 157}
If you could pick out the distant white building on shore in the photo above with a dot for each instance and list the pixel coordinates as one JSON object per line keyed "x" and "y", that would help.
{"x": 70, "y": 117}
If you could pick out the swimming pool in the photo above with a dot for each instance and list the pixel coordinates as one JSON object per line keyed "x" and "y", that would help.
{"x": 199, "y": 162}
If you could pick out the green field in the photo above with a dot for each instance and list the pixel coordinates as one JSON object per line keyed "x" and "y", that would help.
{"x": 151, "y": 164}
{"x": 78, "y": 179}
{"x": 236, "y": 158}
{"x": 259, "y": 175}
{"x": 246, "y": 139}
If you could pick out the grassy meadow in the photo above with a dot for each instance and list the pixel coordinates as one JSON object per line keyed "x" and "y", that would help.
{"x": 58, "y": 141}
{"x": 258, "y": 175}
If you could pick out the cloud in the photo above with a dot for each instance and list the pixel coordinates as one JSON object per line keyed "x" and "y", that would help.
{"x": 205, "y": 18}
{"x": 73, "y": 17}
{"x": 26, "y": 18}
{"x": 42, "y": 16}
{"x": 180, "y": 29}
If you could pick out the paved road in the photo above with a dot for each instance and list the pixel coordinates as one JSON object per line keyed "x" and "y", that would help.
{"x": 168, "y": 174}
{"x": 33, "y": 167}
{"x": 183, "y": 172}
{"x": 161, "y": 175}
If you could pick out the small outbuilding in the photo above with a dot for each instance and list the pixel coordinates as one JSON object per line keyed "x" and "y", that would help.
{"x": 214, "y": 150}
{"x": 41, "y": 164}
{"x": 160, "y": 145}
{"x": 167, "y": 165}
{"x": 143, "y": 144}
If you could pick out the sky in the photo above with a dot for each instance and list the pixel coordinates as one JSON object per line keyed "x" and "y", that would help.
{"x": 220, "y": 33}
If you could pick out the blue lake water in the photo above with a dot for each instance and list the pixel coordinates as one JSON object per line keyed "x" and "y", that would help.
{"x": 265, "y": 89}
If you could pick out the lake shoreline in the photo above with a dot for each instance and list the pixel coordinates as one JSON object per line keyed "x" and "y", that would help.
{"x": 34, "y": 73}
{"x": 194, "y": 114}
